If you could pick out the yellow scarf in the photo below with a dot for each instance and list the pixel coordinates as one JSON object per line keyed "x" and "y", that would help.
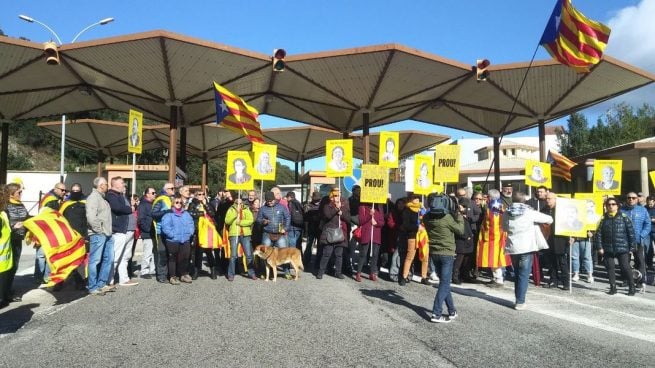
{"x": 415, "y": 207}
{"x": 13, "y": 201}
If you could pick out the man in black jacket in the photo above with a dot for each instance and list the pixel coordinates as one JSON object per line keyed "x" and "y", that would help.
{"x": 123, "y": 224}
{"x": 559, "y": 247}
{"x": 144, "y": 222}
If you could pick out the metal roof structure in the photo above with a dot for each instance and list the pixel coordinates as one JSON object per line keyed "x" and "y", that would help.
{"x": 293, "y": 144}
{"x": 158, "y": 70}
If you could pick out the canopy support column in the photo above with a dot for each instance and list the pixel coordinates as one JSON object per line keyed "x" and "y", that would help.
{"x": 296, "y": 172}
{"x": 497, "y": 162}
{"x": 365, "y": 135}
{"x": 205, "y": 163}
{"x": 643, "y": 172}
{"x": 542, "y": 141}
{"x": 4, "y": 153}
{"x": 172, "y": 145}
{"x": 100, "y": 159}
{"x": 183, "y": 158}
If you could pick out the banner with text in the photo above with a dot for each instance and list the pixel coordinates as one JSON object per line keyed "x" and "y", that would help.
{"x": 374, "y": 184}
{"x": 446, "y": 163}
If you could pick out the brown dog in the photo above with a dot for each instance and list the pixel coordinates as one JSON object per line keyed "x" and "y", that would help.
{"x": 279, "y": 256}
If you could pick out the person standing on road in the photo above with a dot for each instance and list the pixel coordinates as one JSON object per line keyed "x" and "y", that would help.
{"x": 177, "y": 227}
{"x": 313, "y": 219}
{"x": 522, "y": 243}
{"x": 160, "y": 207}
{"x": 335, "y": 214}
{"x": 409, "y": 226}
{"x": 17, "y": 214}
{"x": 371, "y": 221}
{"x": 101, "y": 243}
{"x": 558, "y": 248}
{"x": 74, "y": 210}
{"x": 50, "y": 201}
{"x": 641, "y": 223}
{"x": 144, "y": 222}
{"x": 441, "y": 234}
{"x": 491, "y": 239}
{"x": 296, "y": 216}
{"x": 199, "y": 207}
{"x": 239, "y": 218}
{"x": 275, "y": 220}
{"x": 615, "y": 238}
{"x": 123, "y": 226}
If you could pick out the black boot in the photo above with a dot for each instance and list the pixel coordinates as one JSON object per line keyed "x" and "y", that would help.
{"x": 194, "y": 273}
{"x": 212, "y": 274}
{"x": 631, "y": 289}
{"x": 612, "y": 290}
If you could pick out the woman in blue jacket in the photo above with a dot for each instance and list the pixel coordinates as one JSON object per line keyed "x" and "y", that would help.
{"x": 178, "y": 228}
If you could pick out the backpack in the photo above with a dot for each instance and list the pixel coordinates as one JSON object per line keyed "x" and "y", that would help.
{"x": 439, "y": 204}
{"x": 295, "y": 209}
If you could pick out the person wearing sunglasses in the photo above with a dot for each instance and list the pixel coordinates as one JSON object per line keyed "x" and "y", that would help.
{"x": 615, "y": 239}
{"x": 177, "y": 227}
{"x": 161, "y": 206}
{"x": 144, "y": 222}
{"x": 642, "y": 226}
{"x": 50, "y": 201}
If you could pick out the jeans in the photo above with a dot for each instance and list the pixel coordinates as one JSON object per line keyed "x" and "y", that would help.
{"x": 292, "y": 237}
{"x": 522, "y": 266}
{"x": 247, "y": 252}
{"x": 161, "y": 258}
{"x": 41, "y": 268}
{"x": 122, "y": 255}
{"x": 581, "y": 250}
{"x": 364, "y": 252}
{"x": 444, "y": 268}
{"x": 282, "y": 242}
{"x": 101, "y": 258}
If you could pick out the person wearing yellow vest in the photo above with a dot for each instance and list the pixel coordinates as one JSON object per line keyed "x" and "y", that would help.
{"x": 50, "y": 201}
{"x": 74, "y": 210}
{"x": 17, "y": 213}
{"x": 6, "y": 254}
{"x": 239, "y": 218}
{"x": 161, "y": 206}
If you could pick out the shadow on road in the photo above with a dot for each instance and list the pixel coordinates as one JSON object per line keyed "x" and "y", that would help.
{"x": 13, "y": 319}
{"x": 484, "y": 296}
{"x": 392, "y": 296}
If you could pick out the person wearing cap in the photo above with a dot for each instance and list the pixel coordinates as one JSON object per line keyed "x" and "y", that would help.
{"x": 239, "y": 218}
{"x": 313, "y": 219}
{"x": 276, "y": 222}
{"x": 296, "y": 216}
{"x": 642, "y": 226}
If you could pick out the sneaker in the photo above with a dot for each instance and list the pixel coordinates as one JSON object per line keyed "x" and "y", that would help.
{"x": 452, "y": 316}
{"x": 439, "y": 319}
{"x": 230, "y": 278}
{"x": 288, "y": 276}
{"x": 97, "y": 292}
{"x": 403, "y": 281}
{"x": 108, "y": 288}
{"x": 425, "y": 281}
{"x": 186, "y": 279}
{"x": 590, "y": 279}
{"x": 174, "y": 281}
{"x": 358, "y": 277}
{"x": 520, "y": 306}
{"x": 576, "y": 277}
{"x": 340, "y": 276}
{"x": 253, "y": 277}
{"x": 129, "y": 283}
{"x": 434, "y": 277}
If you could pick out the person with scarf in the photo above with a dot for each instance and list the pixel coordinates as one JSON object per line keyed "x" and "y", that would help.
{"x": 160, "y": 207}
{"x": 240, "y": 219}
{"x": 177, "y": 228}
{"x": 491, "y": 239}
{"x": 410, "y": 226}
{"x": 335, "y": 214}
{"x": 371, "y": 220}
{"x": 17, "y": 214}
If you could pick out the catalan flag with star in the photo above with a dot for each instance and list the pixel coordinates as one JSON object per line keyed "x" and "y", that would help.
{"x": 63, "y": 247}
{"x": 235, "y": 114}
{"x": 573, "y": 39}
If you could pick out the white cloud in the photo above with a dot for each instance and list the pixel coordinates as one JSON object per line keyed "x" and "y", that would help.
{"x": 633, "y": 35}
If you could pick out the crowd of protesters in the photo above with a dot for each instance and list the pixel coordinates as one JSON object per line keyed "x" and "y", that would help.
{"x": 496, "y": 235}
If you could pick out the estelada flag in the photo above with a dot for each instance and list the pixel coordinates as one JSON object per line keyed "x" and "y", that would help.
{"x": 491, "y": 245}
{"x": 573, "y": 39}
{"x": 422, "y": 244}
{"x": 235, "y": 114}
{"x": 208, "y": 237}
{"x": 63, "y": 247}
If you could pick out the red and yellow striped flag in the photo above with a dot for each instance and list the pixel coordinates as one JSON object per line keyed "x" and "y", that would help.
{"x": 422, "y": 244}
{"x": 63, "y": 247}
{"x": 573, "y": 39}
{"x": 235, "y": 114}
{"x": 491, "y": 245}
{"x": 560, "y": 165}
{"x": 208, "y": 237}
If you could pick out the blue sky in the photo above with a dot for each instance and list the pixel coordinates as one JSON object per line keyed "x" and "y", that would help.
{"x": 502, "y": 31}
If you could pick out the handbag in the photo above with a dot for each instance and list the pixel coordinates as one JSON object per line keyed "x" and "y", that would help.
{"x": 357, "y": 234}
{"x": 334, "y": 235}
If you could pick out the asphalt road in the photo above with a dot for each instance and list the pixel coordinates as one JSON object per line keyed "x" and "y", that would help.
{"x": 323, "y": 323}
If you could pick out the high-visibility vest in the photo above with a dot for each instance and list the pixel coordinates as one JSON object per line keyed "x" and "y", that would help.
{"x": 168, "y": 203}
{"x": 69, "y": 203}
{"x": 6, "y": 259}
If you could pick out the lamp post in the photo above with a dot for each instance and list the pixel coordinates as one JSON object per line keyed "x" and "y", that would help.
{"x": 63, "y": 117}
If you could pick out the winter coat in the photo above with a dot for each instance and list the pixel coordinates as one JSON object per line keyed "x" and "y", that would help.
{"x": 276, "y": 215}
{"x": 365, "y": 224}
{"x": 120, "y": 211}
{"x": 98, "y": 214}
{"x": 144, "y": 218}
{"x": 75, "y": 213}
{"x": 521, "y": 232}
{"x": 441, "y": 232}
{"x": 409, "y": 223}
{"x": 245, "y": 225}
{"x": 177, "y": 227}
{"x": 615, "y": 234}
{"x": 330, "y": 219}
{"x": 640, "y": 221}
{"x": 464, "y": 242}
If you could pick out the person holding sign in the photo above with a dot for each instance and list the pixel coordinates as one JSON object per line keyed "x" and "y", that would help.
{"x": 335, "y": 216}
{"x": 337, "y": 163}
{"x": 371, "y": 221}
{"x": 240, "y": 176}
{"x": 558, "y": 246}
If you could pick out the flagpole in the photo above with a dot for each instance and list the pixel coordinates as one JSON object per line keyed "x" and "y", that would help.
{"x": 371, "y": 240}
{"x": 133, "y": 173}
{"x": 261, "y": 192}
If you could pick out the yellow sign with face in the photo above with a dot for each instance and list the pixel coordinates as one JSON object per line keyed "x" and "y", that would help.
{"x": 135, "y": 132}
{"x": 239, "y": 171}
{"x": 388, "y": 147}
{"x": 537, "y": 174}
{"x": 264, "y": 158}
{"x": 423, "y": 183}
{"x": 607, "y": 176}
{"x": 339, "y": 158}
{"x": 570, "y": 217}
{"x": 446, "y": 162}
{"x": 593, "y": 209}
{"x": 374, "y": 183}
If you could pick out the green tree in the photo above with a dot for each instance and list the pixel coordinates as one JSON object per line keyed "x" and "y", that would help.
{"x": 574, "y": 141}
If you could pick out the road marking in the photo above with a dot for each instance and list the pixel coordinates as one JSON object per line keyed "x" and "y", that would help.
{"x": 25, "y": 271}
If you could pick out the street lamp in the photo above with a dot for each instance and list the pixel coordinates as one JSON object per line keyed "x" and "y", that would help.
{"x": 63, "y": 117}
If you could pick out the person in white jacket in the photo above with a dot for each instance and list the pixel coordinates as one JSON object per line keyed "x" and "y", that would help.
{"x": 524, "y": 237}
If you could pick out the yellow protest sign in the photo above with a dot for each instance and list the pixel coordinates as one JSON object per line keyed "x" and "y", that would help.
{"x": 264, "y": 156}
{"x": 239, "y": 169}
{"x": 423, "y": 174}
{"x": 374, "y": 183}
{"x": 652, "y": 177}
{"x": 339, "y": 158}
{"x": 446, "y": 162}
{"x": 570, "y": 217}
{"x": 388, "y": 147}
{"x": 537, "y": 174}
{"x": 135, "y": 132}
{"x": 593, "y": 209}
{"x": 607, "y": 176}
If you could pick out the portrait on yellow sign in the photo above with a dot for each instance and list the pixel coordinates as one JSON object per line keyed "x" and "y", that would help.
{"x": 388, "y": 147}
{"x": 570, "y": 217}
{"x": 263, "y": 158}
{"x": 374, "y": 184}
{"x": 537, "y": 174}
{"x": 239, "y": 171}
{"x": 135, "y": 132}
{"x": 339, "y": 158}
{"x": 446, "y": 162}
{"x": 423, "y": 183}
{"x": 607, "y": 176}
{"x": 593, "y": 209}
